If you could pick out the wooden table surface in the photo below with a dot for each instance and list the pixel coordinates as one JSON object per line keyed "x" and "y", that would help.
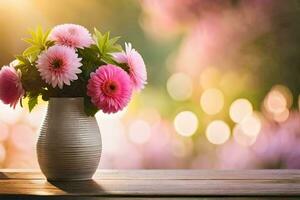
{"x": 155, "y": 184}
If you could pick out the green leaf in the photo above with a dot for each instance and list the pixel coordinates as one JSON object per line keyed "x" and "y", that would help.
{"x": 114, "y": 40}
{"x": 105, "y": 41}
{"x": 49, "y": 43}
{"x": 46, "y": 34}
{"x": 29, "y": 41}
{"x": 39, "y": 34}
{"x": 32, "y": 50}
{"x": 106, "y": 45}
{"x": 21, "y": 102}
{"x": 108, "y": 59}
{"x": 38, "y": 42}
{"x": 89, "y": 108}
{"x": 115, "y": 48}
{"x": 22, "y": 60}
{"x": 90, "y": 60}
{"x": 32, "y": 102}
{"x": 31, "y": 79}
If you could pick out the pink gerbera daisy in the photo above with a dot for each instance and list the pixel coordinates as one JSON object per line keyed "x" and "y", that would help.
{"x": 59, "y": 65}
{"x": 110, "y": 88}
{"x": 71, "y": 35}
{"x": 11, "y": 89}
{"x": 135, "y": 62}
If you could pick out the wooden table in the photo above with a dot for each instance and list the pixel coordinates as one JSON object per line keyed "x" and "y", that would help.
{"x": 156, "y": 184}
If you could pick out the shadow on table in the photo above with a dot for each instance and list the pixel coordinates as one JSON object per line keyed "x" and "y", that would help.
{"x": 78, "y": 187}
{"x": 3, "y": 175}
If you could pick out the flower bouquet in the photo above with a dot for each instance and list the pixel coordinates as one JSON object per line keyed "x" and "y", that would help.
{"x": 79, "y": 74}
{"x": 68, "y": 62}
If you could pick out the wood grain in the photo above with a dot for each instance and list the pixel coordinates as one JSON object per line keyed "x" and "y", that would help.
{"x": 167, "y": 174}
{"x": 157, "y": 184}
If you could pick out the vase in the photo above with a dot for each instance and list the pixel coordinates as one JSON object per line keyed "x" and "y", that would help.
{"x": 69, "y": 146}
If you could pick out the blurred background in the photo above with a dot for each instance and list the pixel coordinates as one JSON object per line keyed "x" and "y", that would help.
{"x": 223, "y": 82}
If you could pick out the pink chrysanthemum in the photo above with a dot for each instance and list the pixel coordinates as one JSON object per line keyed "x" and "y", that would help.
{"x": 11, "y": 89}
{"x": 59, "y": 65}
{"x": 71, "y": 35}
{"x": 110, "y": 88}
{"x": 135, "y": 62}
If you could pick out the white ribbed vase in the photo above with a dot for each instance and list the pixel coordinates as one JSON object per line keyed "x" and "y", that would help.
{"x": 69, "y": 146}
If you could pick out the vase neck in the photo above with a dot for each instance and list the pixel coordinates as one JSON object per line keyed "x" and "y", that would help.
{"x": 66, "y": 104}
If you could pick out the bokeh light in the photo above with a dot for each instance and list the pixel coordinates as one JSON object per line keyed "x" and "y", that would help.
{"x": 212, "y": 101}
{"x": 277, "y": 102}
{"x": 139, "y": 131}
{"x": 286, "y": 92}
{"x": 240, "y": 109}
{"x": 281, "y": 117}
{"x": 194, "y": 67}
{"x": 180, "y": 86}
{"x": 217, "y": 132}
{"x": 241, "y": 138}
{"x": 186, "y": 123}
{"x": 251, "y": 125}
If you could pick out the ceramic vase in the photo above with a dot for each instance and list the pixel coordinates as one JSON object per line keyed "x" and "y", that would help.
{"x": 69, "y": 146}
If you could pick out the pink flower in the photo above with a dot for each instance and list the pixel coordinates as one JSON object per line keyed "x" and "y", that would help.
{"x": 135, "y": 62}
{"x": 59, "y": 65}
{"x": 71, "y": 35}
{"x": 110, "y": 88}
{"x": 11, "y": 89}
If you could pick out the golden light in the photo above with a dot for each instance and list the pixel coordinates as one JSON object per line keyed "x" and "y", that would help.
{"x": 12, "y": 4}
{"x": 139, "y": 132}
{"x": 239, "y": 109}
{"x": 180, "y": 86}
{"x": 212, "y": 101}
{"x": 232, "y": 78}
{"x": 217, "y": 132}
{"x": 251, "y": 125}
{"x": 241, "y": 138}
{"x": 186, "y": 123}
{"x": 209, "y": 77}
